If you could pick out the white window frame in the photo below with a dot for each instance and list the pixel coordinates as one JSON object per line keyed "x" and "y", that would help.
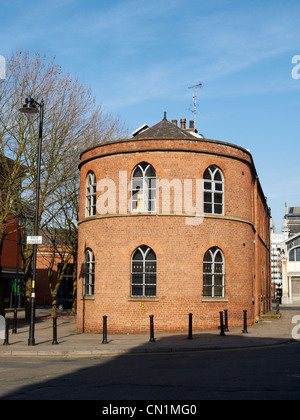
{"x": 293, "y": 250}
{"x": 213, "y": 252}
{"x": 144, "y": 251}
{"x": 213, "y": 169}
{"x": 89, "y": 273}
{"x": 90, "y": 195}
{"x": 140, "y": 200}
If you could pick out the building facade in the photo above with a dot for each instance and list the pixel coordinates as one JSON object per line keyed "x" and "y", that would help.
{"x": 12, "y": 265}
{"x": 290, "y": 256}
{"x": 171, "y": 223}
{"x": 52, "y": 255}
{"x": 291, "y": 221}
{"x": 276, "y": 264}
{"x": 12, "y": 223}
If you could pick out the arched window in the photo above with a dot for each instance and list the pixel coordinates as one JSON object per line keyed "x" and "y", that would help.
{"x": 294, "y": 254}
{"x": 214, "y": 273}
{"x": 143, "y": 272}
{"x": 89, "y": 273}
{"x": 90, "y": 206}
{"x": 143, "y": 188}
{"x": 213, "y": 190}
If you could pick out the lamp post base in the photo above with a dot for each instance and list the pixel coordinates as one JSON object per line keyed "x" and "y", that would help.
{"x": 31, "y": 340}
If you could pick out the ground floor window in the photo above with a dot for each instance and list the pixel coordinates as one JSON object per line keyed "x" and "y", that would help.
{"x": 89, "y": 273}
{"x": 143, "y": 272}
{"x": 214, "y": 274}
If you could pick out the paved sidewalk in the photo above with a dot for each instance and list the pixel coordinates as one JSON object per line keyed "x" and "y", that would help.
{"x": 268, "y": 332}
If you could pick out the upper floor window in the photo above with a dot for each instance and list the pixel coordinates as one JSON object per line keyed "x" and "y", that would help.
{"x": 294, "y": 254}
{"x": 89, "y": 273}
{"x": 90, "y": 203}
{"x": 143, "y": 272}
{"x": 213, "y": 190}
{"x": 214, "y": 273}
{"x": 143, "y": 188}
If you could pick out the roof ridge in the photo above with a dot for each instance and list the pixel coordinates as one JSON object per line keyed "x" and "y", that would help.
{"x": 164, "y": 129}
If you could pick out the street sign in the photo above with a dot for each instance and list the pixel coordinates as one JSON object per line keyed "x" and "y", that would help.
{"x": 34, "y": 240}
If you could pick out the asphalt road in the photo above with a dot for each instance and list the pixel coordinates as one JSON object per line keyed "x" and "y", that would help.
{"x": 269, "y": 373}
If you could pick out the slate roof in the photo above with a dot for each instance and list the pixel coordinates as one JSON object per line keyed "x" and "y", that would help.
{"x": 164, "y": 129}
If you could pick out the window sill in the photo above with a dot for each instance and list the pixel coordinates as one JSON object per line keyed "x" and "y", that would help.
{"x": 143, "y": 299}
{"x": 214, "y": 300}
{"x": 87, "y": 298}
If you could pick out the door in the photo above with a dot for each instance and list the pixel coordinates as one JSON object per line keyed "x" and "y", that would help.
{"x": 296, "y": 289}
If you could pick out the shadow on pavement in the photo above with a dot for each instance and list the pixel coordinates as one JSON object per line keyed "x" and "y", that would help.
{"x": 173, "y": 368}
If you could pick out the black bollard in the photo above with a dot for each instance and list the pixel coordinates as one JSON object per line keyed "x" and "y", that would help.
{"x": 104, "y": 341}
{"x": 14, "y": 329}
{"x": 152, "y": 339}
{"x": 226, "y": 320}
{"x": 245, "y": 323}
{"x": 54, "y": 331}
{"x": 6, "y": 343}
{"x": 222, "y": 333}
{"x": 277, "y": 306}
{"x": 190, "y": 336}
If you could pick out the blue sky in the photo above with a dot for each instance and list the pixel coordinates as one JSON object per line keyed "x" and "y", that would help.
{"x": 140, "y": 58}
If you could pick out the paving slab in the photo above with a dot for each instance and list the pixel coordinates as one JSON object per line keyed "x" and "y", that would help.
{"x": 269, "y": 331}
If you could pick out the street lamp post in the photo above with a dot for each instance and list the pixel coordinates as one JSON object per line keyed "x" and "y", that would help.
{"x": 31, "y": 108}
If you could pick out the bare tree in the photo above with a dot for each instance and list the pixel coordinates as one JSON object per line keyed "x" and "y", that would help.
{"x": 72, "y": 122}
{"x": 63, "y": 237}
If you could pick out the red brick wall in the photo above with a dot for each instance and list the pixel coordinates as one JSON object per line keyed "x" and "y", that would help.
{"x": 10, "y": 246}
{"x": 44, "y": 260}
{"x": 241, "y": 234}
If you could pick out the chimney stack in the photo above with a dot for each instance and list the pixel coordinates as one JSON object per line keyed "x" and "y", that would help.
{"x": 174, "y": 122}
{"x": 183, "y": 123}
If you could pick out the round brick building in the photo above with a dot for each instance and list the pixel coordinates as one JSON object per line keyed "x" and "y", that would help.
{"x": 170, "y": 223}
